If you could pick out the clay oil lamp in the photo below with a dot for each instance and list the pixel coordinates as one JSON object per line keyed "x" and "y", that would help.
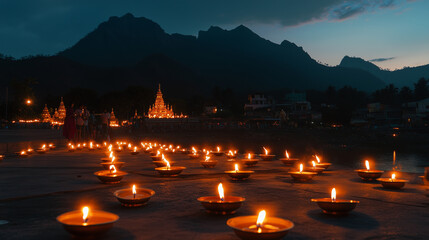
{"x": 134, "y": 151}
{"x": 134, "y": 197}
{"x": 288, "y": 161}
{"x": 302, "y": 176}
{"x": 84, "y": 145}
{"x": 42, "y": 149}
{"x": 130, "y": 146}
{"x": 118, "y": 165}
{"x": 110, "y": 176}
{"x": 368, "y": 174}
{"x": 314, "y": 168}
{"x": 335, "y": 206}
{"x": 162, "y": 162}
{"x": 157, "y": 156}
{"x": 208, "y": 163}
{"x": 79, "y": 146}
{"x": 249, "y": 161}
{"x": 169, "y": 171}
{"x": 87, "y": 223}
{"x": 321, "y": 164}
{"x": 1, "y": 157}
{"x": 184, "y": 151}
{"x": 218, "y": 152}
{"x": 30, "y": 151}
{"x": 392, "y": 182}
{"x": 260, "y": 227}
{"x": 147, "y": 149}
{"x": 194, "y": 154}
{"x": 231, "y": 155}
{"x": 118, "y": 149}
{"x": 51, "y": 146}
{"x": 22, "y": 154}
{"x": 91, "y": 146}
{"x": 98, "y": 146}
{"x": 266, "y": 156}
{"x": 238, "y": 174}
{"x": 221, "y": 204}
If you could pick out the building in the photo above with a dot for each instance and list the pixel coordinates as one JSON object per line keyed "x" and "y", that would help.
{"x": 161, "y": 110}
{"x": 46, "y": 116}
{"x": 113, "y": 121}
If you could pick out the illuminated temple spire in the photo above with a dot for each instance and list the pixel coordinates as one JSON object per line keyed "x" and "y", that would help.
{"x": 159, "y": 109}
{"x": 46, "y": 117}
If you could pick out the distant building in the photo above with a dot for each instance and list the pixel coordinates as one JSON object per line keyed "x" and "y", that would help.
{"x": 161, "y": 110}
{"x": 259, "y": 105}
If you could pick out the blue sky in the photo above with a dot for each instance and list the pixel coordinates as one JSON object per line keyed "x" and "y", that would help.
{"x": 394, "y": 32}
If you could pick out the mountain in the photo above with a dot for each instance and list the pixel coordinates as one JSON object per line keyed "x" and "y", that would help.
{"x": 402, "y": 77}
{"x": 237, "y": 58}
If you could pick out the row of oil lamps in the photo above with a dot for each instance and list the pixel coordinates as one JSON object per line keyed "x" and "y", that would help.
{"x": 88, "y": 222}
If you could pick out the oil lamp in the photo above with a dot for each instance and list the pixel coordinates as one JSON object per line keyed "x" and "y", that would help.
{"x": 314, "y": 168}
{"x": 169, "y": 171}
{"x": 51, "y": 146}
{"x": 238, "y": 174}
{"x": 86, "y": 223}
{"x": 91, "y": 146}
{"x": 335, "y": 206}
{"x": 162, "y": 162}
{"x": 231, "y": 155}
{"x": 79, "y": 146}
{"x": 30, "y": 151}
{"x": 392, "y": 182}
{"x": 1, "y": 157}
{"x": 42, "y": 149}
{"x": 287, "y": 160}
{"x": 22, "y": 154}
{"x": 302, "y": 176}
{"x": 221, "y": 204}
{"x": 133, "y": 197}
{"x": 266, "y": 156}
{"x": 208, "y": 163}
{"x": 249, "y": 161}
{"x": 194, "y": 154}
{"x": 110, "y": 176}
{"x": 260, "y": 227}
{"x": 134, "y": 151}
{"x": 157, "y": 157}
{"x": 368, "y": 174}
{"x": 218, "y": 152}
{"x": 118, "y": 149}
{"x": 321, "y": 164}
{"x": 118, "y": 165}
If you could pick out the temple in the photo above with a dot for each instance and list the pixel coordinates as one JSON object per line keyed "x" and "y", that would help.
{"x": 159, "y": 109}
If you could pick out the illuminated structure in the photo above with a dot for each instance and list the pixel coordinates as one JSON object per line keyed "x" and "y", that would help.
{"x": 61, "y": 111}
{"x": 159, "y": 109}
{"x": 46, "y": 116}
{"x": 113, "y": 121}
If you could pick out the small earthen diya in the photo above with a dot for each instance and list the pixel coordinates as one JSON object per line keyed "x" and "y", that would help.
{"x": 314, "y": 168}
{"x": 368, "y": 174}
{"x": 22, "y": 154}
{"x": 71, "y": 148}
{"x": 266, "y": 156}
{"x": 169, "y": 171}
{"x": 134, "y": 197}
{"x": 249, "y": 161}
{"x": 156, "y": 157}
{"x": 110, "y": 176}
{"x": 222, "y": 204}
{"x": 335, "y": 206}
{"x": 194, "y": 155}
{"x": 231, "y": 155}
{"x": 302, "y": 176}
{"x": 42, "y": 150}
{"x": 134, "y": 151}
{"x": 238, "y": 174}
{"x": 260, "y": 227}
{"x": 392, "y": 182}
{"x": 30, "y": 151}
{"x": 218, "y": 152}
{"x": 118, "y": 149}
{"x": 209, "y": 163}
{"x": 51, "y": 146}
{"x": 87, "y": 223}
{"x": 287, "y": 160}
{"x": 321, "y": 164}
{"x": 1, "y": 157}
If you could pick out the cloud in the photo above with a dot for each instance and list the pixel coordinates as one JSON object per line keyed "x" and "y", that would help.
{"x": 381, "y": 59}
{"x": 349, "y": 9}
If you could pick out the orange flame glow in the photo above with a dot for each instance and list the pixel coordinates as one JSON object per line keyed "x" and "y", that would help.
{"x": 112, "y": 169}
{"x": 317, "y": 158}
{"x": 218, "y": 149}
{"x": 300, "y": 167}
{"x": 333, "y": 194}
{"x": 287, "y": 154}
{"x": 393, "y": 176}
{"x": 249, "y": 156}
{"x": 314, "y": 163}
{"x": 236, "y": 168}
{"x": 221, "y": 193}
{"x": 85, "y": 213}
{"x": 266, "y": 150}
{"x": 261, "y": 218}
{"x": 367, "y": 165}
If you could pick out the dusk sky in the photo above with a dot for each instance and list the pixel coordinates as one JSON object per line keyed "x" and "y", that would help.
{"x": 392, "y": 33}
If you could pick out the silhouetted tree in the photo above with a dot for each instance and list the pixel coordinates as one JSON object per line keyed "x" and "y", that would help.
{"x": 387, "y": 95}
{"x": 406, "y": 94}
{"x": 421, "y": 89}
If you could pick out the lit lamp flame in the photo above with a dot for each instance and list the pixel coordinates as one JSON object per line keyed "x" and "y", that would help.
{"x": 129, "y": 145}
{"x": 90, "y": 145}
{"x": 207, "y": 158}
{"x": 260, "y": 220}
{"x": 333, "y": 194}
{"x": 249, "y": 156}
{"x": 135, "y": 149}
{"x": 393, "y": 177}
{"x": 113, "y": 160}
{"x": 218, "y": 149}
{"x": 112, "y": 169}
{"x": 314, "y": 164}
{"x": 85, "y": 213}
{"x": 266, "y": 151}
{"x": 134, "y": 191}
{"x": 194, "y": 150}
{"x": 157, "y": 153}
{"x": 300, "y": 168}
{"x": 43, "y": 146}
{"x": 287, "y": 154}
{"x": 236, "y": 168}
{"x": 22, "y": 152}
{"x": 317, "y": 158}
{"x": 110, "y": 147}
{"x": 166, "y": 162}
{"x": 220, "y": 190}
{"x": 367, "y": 165}
{"x": 111, "y": 155}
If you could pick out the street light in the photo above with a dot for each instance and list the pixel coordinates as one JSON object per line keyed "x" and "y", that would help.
{"x": 28, "y": 102}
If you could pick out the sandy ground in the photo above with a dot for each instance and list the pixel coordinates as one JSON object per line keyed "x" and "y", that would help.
{"x": 34, "y": 191}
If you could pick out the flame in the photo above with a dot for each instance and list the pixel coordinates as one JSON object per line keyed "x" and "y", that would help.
{"x": 261, "y": 218}
{"x": 112, "y": 169}
{"x": 207, "y": 158}
{"x": 266, "y": 150}
{"x": 218, "y": 149}
{"x": 22, "y": 152}
{"x": 393, "y": 176}
{"x": 166, "y": 161}
{"x": 135, "y": 149}
{"x": 220, "y": 190}
{"x": 72, "y": 146}
{"x": 50, "y": 145}
{"x": 90, "y": 145}
{"x": 134, "y": 190}
{"x": 129, "y": 145}
{"x": 43, "y": 146}
{"x": 113, "y": 159}
{"x": 300, "y": 167}
{"x": 333, "y": 194}
{"x": 194, "y": 150}
{"x": 249, "y": 156}
{"x": 208, "y": 152}
{"x": 236, "y": 167}
{"x": 287, "y": 154}
{"x": 317, "y": 158}
{"x": 110, "y": 147}
{"x": 367, "y": 165}
{"x": 314, "y": 163}
{"x": 111, "y": 155}
{"x": 85, "y": 213}
{"x": 157, "y": 153}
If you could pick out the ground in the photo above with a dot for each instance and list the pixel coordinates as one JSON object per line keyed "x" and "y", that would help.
{"x": 35, "y": 190}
